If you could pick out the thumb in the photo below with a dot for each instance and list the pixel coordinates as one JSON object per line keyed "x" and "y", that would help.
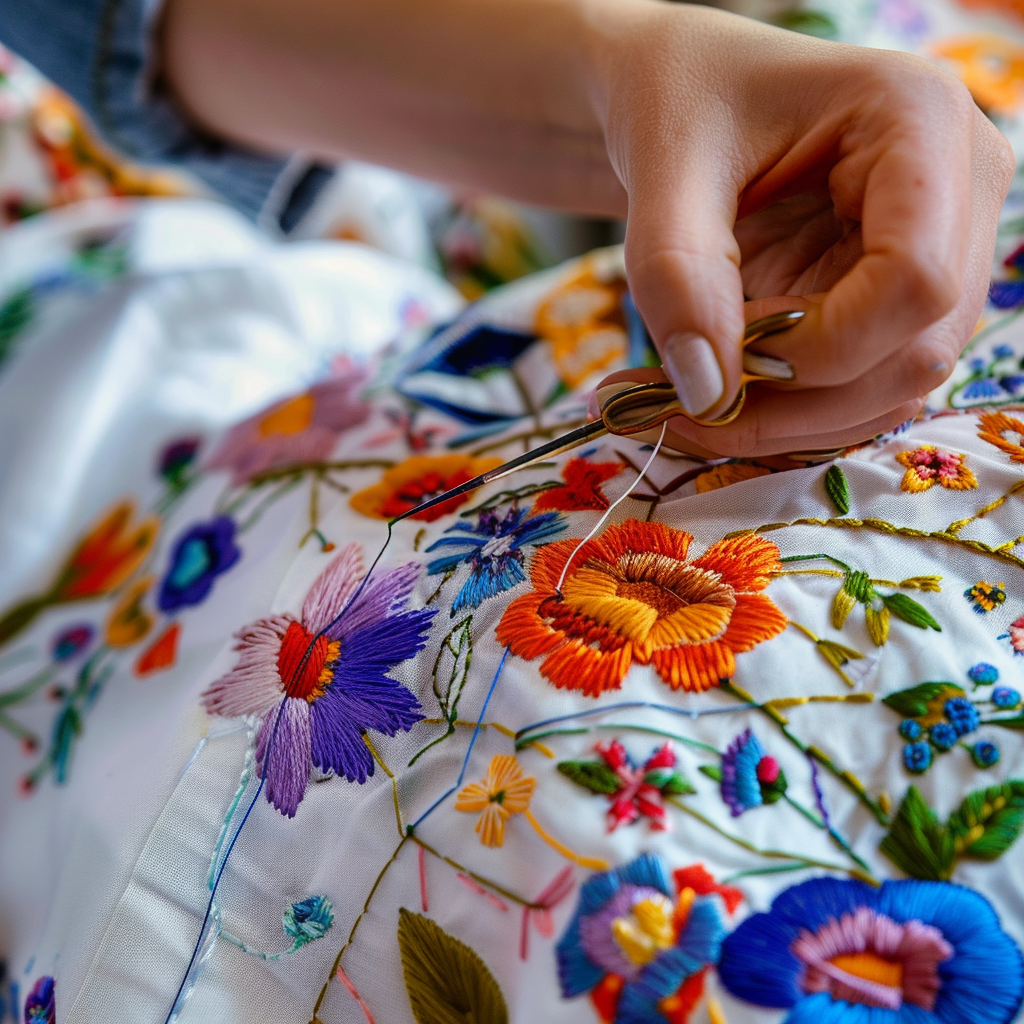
{"x": 682, "y": 262}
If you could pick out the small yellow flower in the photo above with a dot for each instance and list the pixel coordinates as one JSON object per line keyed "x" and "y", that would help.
{"x": 129, "y": 621}
{"x": 505, "y": 791}
{"x": 878, "y": 624}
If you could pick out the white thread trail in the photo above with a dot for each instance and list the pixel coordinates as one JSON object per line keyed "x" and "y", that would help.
{"x": 611, "y": 508}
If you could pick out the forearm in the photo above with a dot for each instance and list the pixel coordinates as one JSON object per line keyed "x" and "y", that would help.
{"x": 489, "y": 94}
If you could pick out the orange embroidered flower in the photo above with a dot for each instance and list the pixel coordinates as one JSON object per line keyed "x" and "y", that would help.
{"x": 631, "y": 595}
{"x": 991, "y": 66}
{"x": 928, "y": 465}
{"x": 504, "y": 792}
{"x": 728, "y": 473}
{"x": 582, "y": 488}
{"x": 1005, "y": 432}
{"x": 129, "y": 622}
{"x": 416, "y": 480}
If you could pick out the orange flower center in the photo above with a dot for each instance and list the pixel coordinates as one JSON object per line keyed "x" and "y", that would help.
{"x": 306, "y": 677}
{"x": 291, "y": 418}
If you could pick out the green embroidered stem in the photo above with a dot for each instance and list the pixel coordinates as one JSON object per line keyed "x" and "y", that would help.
{"x": 266, "y": 501}
{"x": 21, "y": 616}
{"x": 18, "y": 731}
{"x": 321, "y": 468}
{"x": 1000, "y": 553}
{"x": 848, "y": 779}
{"x": 502, "y": 497}
{"x": 527, "y": 436}
{"x": 525, "y": 741}
{"x": 394, "y": 783}
{"x": 29, "y": 687}
{"x": 775, "y": 869}
{"x": 500, "y": 889}
{"x": 773, "y": 854}
{"x": 955, "y": 527}
{"x": 270, "y": 957}
{"x": 243, "y": 784}
{"x": 355, "y": 926}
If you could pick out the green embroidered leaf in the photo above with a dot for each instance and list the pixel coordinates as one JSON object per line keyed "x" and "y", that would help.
{"x": 669, "y": 782}
{"x": 838, "y": 489}
{"x": 916, "y": 702}
{"x": 712, "y": 771}
{"x": 593, "y": 775}
{"x": 989, "y": 821}
{"x": 446, "y": 981}
{"x": 917, "y": 842}
{"x": 1014, "y": 722}
{"x": 452, "y": 666}
{"x": 15, "y": 315}
{"x": 907, "y": 609}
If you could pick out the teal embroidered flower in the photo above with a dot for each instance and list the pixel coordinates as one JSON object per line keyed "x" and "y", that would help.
{"x": 984, "y": 754}
{"x": 308, "y": 920}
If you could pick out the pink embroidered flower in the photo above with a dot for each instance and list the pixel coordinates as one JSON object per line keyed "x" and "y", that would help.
{"x": 302, "y": 428}
{"x": 318, "y": 685}
{"x": 641, "y": 789}
{"x": 1016, "y": 635}
{"x": 928, "y": 465}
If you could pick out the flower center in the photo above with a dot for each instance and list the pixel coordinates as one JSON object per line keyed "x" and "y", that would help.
{"x": 497, "y": 546}
{"x": 291, "y": 418}
{"x": 646, "y": 930}
{"x": 302, "y": 677}
{"x": 192, "y": 562}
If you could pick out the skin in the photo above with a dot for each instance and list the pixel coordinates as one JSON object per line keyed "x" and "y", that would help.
{"x": 748, "y": 161}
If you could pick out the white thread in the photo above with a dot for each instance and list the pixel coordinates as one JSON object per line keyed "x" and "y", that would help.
{"x": 611, "y": 507}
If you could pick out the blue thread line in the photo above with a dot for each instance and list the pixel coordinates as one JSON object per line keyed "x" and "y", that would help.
{"x": 626, "y": 705}
{"x": 469, "y": 750}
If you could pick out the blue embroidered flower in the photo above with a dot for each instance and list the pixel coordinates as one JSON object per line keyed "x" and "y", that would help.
{"x": 943, "y": 736}
{"x": 1003, "y": 352}
{"x": 71, "y": 641}
{"x": 1006, "y": 697}
{"x": 309, "y": 920}
{"x": 917, "y": 757}
{"x": 985, "y": 754}
{"x": 983, "y": 674}
{"x": 910, "y": 729}
{"x": 40, "y": 1003}
{"x": 750, "y": 775}
{"x": 199, "y": 556}
{"x": 630, "y": 927}
{"x": 833, "y": 951}
{"x": 962, "y": 715}
{"x": 493, "y": 548}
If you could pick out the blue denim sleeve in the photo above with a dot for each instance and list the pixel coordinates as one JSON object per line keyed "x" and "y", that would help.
{"x": 100, "y": 51}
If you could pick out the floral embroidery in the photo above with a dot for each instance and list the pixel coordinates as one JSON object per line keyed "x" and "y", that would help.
{"x": 911, "y": 950}
{"x": 633, "y": 791}
{"x": 41, "y": 1002}
{"x": 928, "y": 465}
{"x": 582, "y": 488}
{"x": 985, "y": 597}
{"x": 1005, "y": 432}
{"x": 991, "y": 66}
{"x": 104, "y": 559}
{"x": 161, "y": 654}
{"x": 317, "y": 707}
{"x": 308, "y": 920}
{"x": 175, "y": 461}
{"x": 998, "y": 380}
{"x": 417, "y": 479}
{"x": 750, "y": 775}
{"x": 201, "y": 554}
{"x": 1015, "y": 634}
{"x": 493, "y": 548}
{"x": 1006, "y": 698}
{"x": 879, "y": 607}
{"x": 983, "y": 674}
{"x": 302, "y": 428}
{"x": 504, "y": 792}
{"x": 631, "y": 595}
{"x": 128, "y": 622}
{"x": 984, "y": 754}
{"x": 727, "y": 474}
{"x": 639, "y": 944}
{"x": 72, "y": 641}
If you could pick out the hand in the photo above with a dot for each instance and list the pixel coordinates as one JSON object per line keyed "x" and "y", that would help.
{"x": 760, "y": 163}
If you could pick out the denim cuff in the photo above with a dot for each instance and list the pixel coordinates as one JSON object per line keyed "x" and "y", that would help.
{"x": 101, "y": 52}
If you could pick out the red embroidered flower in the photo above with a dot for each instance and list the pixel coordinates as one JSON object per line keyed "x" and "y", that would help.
{"x": 631, "y": 595}
{"x": 582, "y": 488}
{"x": 928, "y": 465}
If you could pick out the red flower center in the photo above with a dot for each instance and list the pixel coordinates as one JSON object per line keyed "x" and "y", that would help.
{"x": 302, "y": 677}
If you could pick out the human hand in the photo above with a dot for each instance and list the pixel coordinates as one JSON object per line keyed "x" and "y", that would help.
{"x": 769, "y": 165}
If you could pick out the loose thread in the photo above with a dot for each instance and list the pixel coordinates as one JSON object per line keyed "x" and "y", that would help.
{"x": 592, "y": 863}
{"x": 611, "y": 508}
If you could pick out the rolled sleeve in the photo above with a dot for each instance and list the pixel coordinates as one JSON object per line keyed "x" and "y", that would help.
{"x": 101, "y": 53}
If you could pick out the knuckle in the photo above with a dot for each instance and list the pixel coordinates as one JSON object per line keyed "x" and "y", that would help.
{"x": 927, "y": 365}
{"x": 931, "y": 287}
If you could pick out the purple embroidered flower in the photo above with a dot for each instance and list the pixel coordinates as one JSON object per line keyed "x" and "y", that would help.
{"x": 962, "y": 715}
{"x": 199, "y": 556}
{"x": 493, "y": 547}
{"x": 843, "y": 952}
{"x": 176, "y": 458}
{"x": 40, "y": 1003}
{"x": 943, "y": 736}
{"x": 750, "y": 775}
{"x": 72, "y": 641}
{"x": 983, "y": 674}
{"x": 984, "y": 754}
{"x": 302, "y": 428}
{"x": 630, "y": 928}
{"x": 317, "y": 685}
{"x": 917, "y": 757}
{"x": 1006, "y": 698}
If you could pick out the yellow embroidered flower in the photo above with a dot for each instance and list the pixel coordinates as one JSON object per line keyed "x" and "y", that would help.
{"x": 504, "y": 792}
{"x": 129, "y": 621}
{"x": 991, "y": 66}
{"x": 1005, "y": 432}
{"x": 928, "y": 465}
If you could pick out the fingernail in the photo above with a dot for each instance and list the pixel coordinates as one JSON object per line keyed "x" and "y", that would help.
{"x": 691, "y": 365}
{"x": 768, "y": 366}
